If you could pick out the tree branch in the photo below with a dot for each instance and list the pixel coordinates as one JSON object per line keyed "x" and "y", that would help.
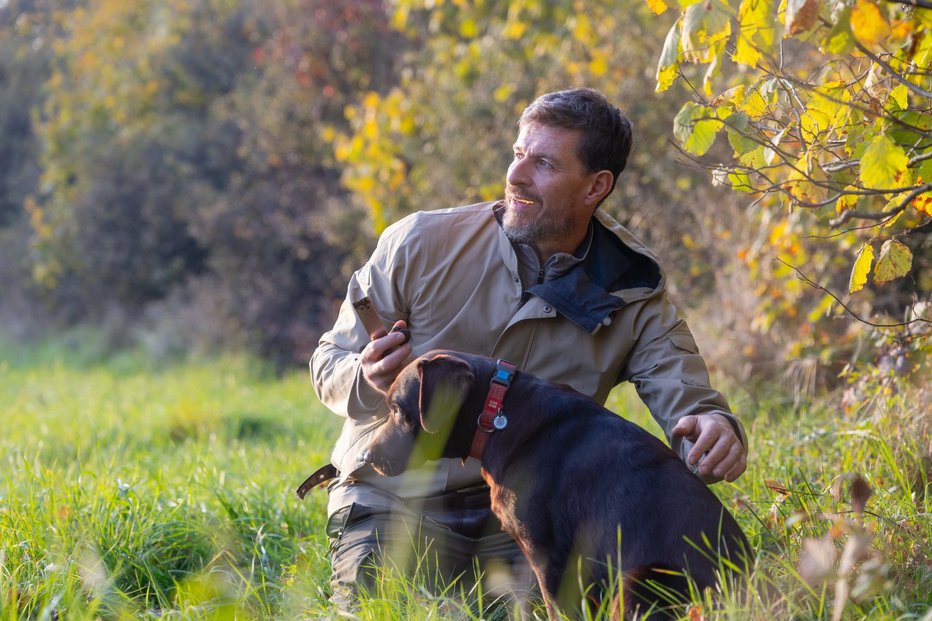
{"x": 919, "y": 4}
{"x": 893, "y": 73}
{"x": 812, "y": 283}
{"x": 881, "y": 215}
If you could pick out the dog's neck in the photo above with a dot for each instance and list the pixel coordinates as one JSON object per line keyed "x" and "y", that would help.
{"x": 491, "y": 417}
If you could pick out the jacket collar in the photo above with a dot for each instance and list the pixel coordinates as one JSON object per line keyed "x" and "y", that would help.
{"x": 613, "y": 272}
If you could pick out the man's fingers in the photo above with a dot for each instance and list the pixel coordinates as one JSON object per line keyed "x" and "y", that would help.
{"x": 686, "y": 427}
{"x": 376, "y": 349}
{"x": 723, "y": 457}
{"x": 738, "y": 469}
{"x": 708, "y": 435}
{"x": 382, "y": 359}
{"x": 718, "y": 453}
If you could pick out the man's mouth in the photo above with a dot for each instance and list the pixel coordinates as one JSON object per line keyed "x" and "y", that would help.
{"x": 522, "y": 200}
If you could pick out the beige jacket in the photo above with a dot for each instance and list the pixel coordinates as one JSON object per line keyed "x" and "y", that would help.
{"x": 452, "y": 275}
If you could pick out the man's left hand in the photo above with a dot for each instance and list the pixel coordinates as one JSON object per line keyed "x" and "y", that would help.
{"x": 713, "y": 436}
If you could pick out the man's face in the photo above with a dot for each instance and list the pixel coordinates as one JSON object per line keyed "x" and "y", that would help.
{"x": 548, "y": 193}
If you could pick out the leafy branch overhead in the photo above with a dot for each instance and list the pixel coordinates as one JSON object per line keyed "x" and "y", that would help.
{"x": 825, "y": 105}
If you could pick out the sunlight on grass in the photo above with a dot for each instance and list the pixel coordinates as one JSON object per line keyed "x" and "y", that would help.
{"x": 132, "y": 489}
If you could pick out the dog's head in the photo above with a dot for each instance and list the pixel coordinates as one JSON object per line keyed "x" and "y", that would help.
{"x": 424, "y": 402}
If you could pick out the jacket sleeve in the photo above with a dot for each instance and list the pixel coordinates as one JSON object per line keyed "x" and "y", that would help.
{"x": 335, "y": 364}
{"x": 670, "y": 375}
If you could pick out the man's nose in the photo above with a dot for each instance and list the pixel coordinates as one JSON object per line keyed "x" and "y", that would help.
{"x": 516, "y": 174}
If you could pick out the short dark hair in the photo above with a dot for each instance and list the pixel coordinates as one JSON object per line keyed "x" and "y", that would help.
{"x": 606, "y": 131}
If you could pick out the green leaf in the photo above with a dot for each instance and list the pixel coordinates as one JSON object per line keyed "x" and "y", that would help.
{"x": 740, "y": 142}
{"x": 695, "y": 127}
{"x": 883, "y": 164}
{"x": 741, "y": 181}
{"x": 862, "y": 267}
{"x": 754, "y": 158}
{"x": 839, "y": 39}
{"x": 894, "y": 262}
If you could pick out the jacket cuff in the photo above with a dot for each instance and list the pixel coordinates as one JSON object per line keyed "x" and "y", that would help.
{"x": 368, "y": 398}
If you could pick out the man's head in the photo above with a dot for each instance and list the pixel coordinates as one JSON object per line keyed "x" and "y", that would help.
{"x": 571, "y": 146}
{"x": 606, "y": 132}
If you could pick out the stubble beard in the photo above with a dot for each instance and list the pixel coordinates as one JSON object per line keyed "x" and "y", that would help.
{"x": 534, "y": 231}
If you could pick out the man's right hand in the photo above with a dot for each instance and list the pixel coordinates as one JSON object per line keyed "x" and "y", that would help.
{"x": 379, "y": 369}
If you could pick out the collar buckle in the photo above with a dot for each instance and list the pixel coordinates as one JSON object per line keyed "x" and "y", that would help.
{"x": 492, "y": 419}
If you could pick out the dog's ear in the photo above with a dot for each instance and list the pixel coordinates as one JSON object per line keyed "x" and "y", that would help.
{"x": 445, "y": 383}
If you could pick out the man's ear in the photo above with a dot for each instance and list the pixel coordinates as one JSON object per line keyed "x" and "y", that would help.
{"x": 445, "y": 383}
{"x": 600, "y": 187}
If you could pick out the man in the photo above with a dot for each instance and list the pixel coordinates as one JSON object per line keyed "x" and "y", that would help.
{"x": 542, "y": 279}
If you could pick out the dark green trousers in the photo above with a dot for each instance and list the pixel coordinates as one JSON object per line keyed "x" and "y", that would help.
{"x": 365, "y": 542}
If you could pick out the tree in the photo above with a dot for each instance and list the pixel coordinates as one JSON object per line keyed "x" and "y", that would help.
{"x": 821, "y": 111}
{"x": 443, "y": 136}
{"x": 188, "y": 169}
{"x": 827, "y": 107}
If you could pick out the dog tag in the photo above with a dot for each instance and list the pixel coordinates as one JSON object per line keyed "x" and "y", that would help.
{"x": 500, "y": 422}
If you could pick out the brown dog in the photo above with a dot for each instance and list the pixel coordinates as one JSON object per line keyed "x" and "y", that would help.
{"x": 573, "y": 483}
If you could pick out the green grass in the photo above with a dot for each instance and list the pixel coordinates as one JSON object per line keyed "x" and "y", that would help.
{"x": 130, "y": 488}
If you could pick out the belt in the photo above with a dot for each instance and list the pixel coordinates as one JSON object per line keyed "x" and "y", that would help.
{"x": 322, "y": 475}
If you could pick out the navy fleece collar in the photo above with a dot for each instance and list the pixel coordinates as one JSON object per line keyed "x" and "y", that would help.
{"x": 588, "y": 293}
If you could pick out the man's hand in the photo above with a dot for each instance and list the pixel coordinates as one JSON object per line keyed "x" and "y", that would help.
{"x": 713, "y": 436}
{"x": 379, "y": 369}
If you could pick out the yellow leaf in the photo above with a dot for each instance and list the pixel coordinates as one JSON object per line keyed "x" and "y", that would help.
{"x": 862, "y": 267}
{"x": 665, "y": 77}
{"x": 704, "y": 25}
{"x": 582, "y": 30}
{"x": 755, "y": 31}
{"x": 923, "y": 204}
{"x": 503, "y": 92}
{"x": 515, "y": 29}
{"x": 825, "y": 110}
{"x": 847, "y": 201}
{"x": 469, "y": 28}
{"x": 900, "y": 94}
{"x": 803, "y": 181}
{"x": 822, "y": 309}
{"x": 752, "y": 103}
{"x": 599, "y": 63}
{"x": 400, "y": 17}
{"x": 868, "y": 23}
{"x": 668, "y": 65}
{"x": 657, "y": 6}
{"x": 894, "y": 262}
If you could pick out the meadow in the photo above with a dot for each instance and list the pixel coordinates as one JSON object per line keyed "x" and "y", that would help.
{"x": 134, "y": 488}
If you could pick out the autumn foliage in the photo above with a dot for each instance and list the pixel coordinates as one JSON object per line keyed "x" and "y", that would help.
{"x": 227, "y": 163}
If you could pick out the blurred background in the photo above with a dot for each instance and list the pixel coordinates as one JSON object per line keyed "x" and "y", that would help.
{"x": 195, "y": 177}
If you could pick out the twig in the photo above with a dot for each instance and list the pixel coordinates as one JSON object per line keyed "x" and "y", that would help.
{"x": 920, "y": 4}
{"x": 881, "y": 215}
{"x": 812, "y": 283}
{"x": 893, "y": 73}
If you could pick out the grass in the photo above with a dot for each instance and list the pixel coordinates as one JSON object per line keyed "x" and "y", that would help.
{"x": 134, "y": 489}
